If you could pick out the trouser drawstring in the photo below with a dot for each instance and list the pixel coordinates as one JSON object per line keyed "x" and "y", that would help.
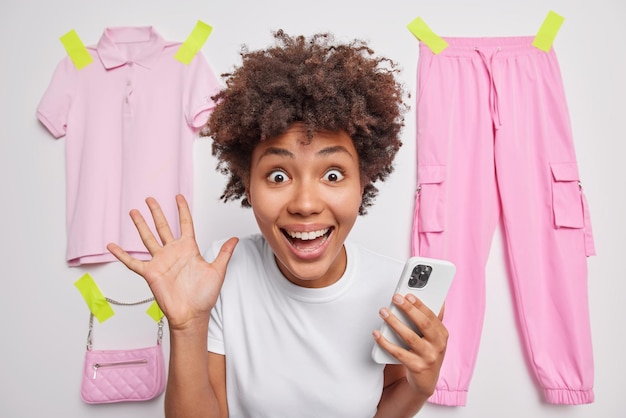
{"x": 493, "y": 89}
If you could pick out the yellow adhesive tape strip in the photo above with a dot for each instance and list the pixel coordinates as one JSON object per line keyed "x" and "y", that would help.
{"x": 422, "y": 32}
{"x": 194, "y": 42}
{"x": 76, "y": 50}
{"x": 155, "y": 312}
{"x": 96, "y": 301}
{"x": 547, "y": 32}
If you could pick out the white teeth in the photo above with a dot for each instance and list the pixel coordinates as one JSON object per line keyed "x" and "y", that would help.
{"x": 305, "y": 236}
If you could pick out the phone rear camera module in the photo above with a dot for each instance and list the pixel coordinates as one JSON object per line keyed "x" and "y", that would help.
{"x": 419, "y": 276}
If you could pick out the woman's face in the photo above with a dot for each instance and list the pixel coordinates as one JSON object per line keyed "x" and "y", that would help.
{"x": 305, "y": 196}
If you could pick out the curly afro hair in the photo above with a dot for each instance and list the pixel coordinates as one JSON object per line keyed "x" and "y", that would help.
{"x": 325, "y": 86}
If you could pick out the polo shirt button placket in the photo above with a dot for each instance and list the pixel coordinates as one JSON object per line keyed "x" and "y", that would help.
{"x": 129, "y": 87}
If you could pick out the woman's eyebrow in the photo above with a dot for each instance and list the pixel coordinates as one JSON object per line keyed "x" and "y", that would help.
{"x": 323, "y": 152}
{"x": 333, "y": 150}
{"x": 277, "y": 151}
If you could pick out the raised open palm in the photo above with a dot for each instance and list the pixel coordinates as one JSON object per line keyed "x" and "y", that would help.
{"x": 184, "y": 284}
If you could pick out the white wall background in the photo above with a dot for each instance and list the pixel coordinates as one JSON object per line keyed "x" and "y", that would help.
{"x": 43, "y": 317}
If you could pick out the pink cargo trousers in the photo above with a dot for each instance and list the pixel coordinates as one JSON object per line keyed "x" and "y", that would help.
{"x": 494, "y": 145}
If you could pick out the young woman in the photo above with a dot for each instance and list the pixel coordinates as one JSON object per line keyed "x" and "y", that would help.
{"x": 280, "y": 324}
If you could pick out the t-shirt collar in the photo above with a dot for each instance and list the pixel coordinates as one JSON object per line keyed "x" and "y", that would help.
{"x": 307, "y": 294}
{"x": 112, "y": 55}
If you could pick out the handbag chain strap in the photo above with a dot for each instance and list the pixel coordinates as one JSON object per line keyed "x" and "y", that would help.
{"x": 115, "y": 302}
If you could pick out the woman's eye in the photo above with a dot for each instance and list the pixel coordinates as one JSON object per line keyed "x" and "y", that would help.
{"x": 277, "y": 176}
{"x": 333, "y": 175}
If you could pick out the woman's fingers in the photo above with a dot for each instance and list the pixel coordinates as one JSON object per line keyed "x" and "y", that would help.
{"x": 126, "y": 259}
{"x": 423, "y": 318}
{"x": 184, "y": 215}
{"x": 147, "y": 237}
{"x": 226, "y": 251}
{"x": 428, "y": 335}
{"x": 166, "y": 250}
{"x": 160, "y": 222}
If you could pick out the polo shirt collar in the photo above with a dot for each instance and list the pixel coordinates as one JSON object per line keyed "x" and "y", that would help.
{"x": 113, "y": 55}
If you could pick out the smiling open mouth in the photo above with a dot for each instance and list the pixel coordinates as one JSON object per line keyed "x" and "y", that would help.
{"x": 308, "y": 241}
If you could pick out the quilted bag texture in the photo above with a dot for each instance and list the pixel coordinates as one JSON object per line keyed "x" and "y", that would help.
{"x": 123, "y": 375}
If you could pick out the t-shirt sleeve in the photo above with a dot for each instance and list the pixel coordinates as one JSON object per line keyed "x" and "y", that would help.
{"x": 202, "y": 84}
{"x": 54, "y": 107}
{"x": 215, "y": 341}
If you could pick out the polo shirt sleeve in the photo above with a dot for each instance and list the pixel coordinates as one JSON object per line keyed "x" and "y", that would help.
{"x": 54, "y": 107}
{"x": 201, "y": 85}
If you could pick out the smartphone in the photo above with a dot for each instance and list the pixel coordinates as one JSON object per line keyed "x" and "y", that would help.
{"x": 429, "y": 280}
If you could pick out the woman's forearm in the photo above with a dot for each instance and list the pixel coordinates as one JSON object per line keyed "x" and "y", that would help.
{"x": 189, "y": 393}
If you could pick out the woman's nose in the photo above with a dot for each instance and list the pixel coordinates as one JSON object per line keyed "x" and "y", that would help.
{"x": 305, "y": 199}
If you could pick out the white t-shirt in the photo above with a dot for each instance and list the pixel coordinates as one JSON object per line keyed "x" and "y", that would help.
{"x": 299, "y": 352}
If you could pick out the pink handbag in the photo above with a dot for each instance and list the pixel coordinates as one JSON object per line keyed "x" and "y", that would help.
{"x": 123, "y": 375}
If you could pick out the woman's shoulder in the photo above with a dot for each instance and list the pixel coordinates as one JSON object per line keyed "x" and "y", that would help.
{"x": 368, "y": 260}
{"x": 248, "y": 245}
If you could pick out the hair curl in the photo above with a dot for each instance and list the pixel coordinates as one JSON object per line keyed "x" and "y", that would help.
{"x": 324, "y": 85}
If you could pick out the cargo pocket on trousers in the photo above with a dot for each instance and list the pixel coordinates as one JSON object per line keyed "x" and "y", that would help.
{"x": 431, "y": 198}
{"x": 569, "y": 204}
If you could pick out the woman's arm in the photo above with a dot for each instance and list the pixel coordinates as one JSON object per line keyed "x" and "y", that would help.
{"x": 186, "y": 288}
{"x": 398, "y": 398}
{"x": 192, "y": 376}
{"x": 409, "y": 385}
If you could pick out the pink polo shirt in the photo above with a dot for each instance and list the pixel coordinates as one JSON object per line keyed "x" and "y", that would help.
{"x": 129, "y": 121}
